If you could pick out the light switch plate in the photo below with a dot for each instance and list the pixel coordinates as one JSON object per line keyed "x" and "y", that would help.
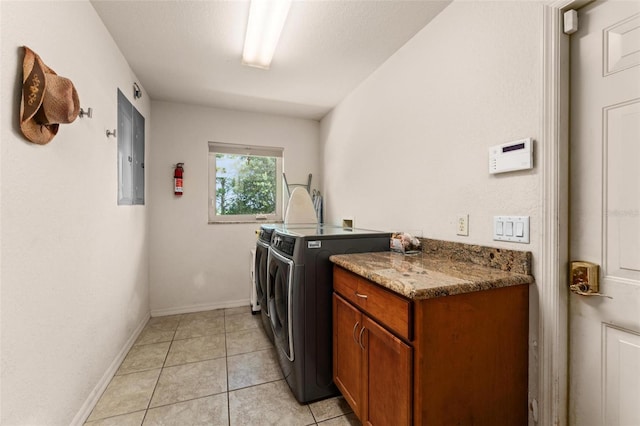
{"x": 511, "y": 228}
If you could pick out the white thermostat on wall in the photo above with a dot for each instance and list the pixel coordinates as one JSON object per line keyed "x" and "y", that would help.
{"x": 508, "y": 157}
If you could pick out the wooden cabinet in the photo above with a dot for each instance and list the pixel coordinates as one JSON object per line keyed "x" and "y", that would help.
{"x": 387, "y": 377}
{"x": 454, "y": 360}
{"x": 372, "y": 367}
{"x": 347, "y": 353}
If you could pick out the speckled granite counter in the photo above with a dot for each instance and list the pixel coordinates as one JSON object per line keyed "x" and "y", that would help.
{"x": 455, "y": 269}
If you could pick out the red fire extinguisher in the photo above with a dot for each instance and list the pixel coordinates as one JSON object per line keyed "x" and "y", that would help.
{"x": 177, "y": 179}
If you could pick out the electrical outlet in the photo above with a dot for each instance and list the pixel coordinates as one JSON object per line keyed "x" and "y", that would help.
{"x": 348, "y": 222}
{"x": 462, "y": 224}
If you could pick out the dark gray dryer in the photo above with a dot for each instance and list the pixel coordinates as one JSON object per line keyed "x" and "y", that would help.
{"x": 299, "y": 291}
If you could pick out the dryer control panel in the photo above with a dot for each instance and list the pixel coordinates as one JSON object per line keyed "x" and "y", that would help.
{"x": 284, "y": 243}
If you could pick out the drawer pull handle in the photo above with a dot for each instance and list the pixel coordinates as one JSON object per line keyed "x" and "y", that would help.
{"x": 353, "y": 333}
{"x": 362, "y": 296}
{"x": 360, "y": 338}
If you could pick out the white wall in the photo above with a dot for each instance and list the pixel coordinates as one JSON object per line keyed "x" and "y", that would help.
{"x": 408, "y": 149}
{"x": 74, "y": 265}
{"x": 195, "y": 265}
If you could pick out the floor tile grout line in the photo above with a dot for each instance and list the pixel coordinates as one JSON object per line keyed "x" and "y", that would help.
{"x": 137, "y": 345}
{"x": 198, "y": 336}
{"x": 111, "y": 417}
{"x": 257, "y": 384}
{"x": 312, "y": 415}
{"x": 252, "y": 352}
{"x": 158, "y": 380}
{"x": 181, "y": 401}
{"x": 228, "y": 410}
{"x": 226, "y": 360}
{"x": 191, "y": 362}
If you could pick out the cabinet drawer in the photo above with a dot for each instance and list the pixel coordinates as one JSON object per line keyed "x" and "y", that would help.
{"x": 391, "y": 310}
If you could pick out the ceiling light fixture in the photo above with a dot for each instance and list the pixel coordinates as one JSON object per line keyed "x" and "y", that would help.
{"x": 266, "y": 19}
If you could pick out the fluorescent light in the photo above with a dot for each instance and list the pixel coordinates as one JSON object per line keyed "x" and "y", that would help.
{"x": 266, "y": 19}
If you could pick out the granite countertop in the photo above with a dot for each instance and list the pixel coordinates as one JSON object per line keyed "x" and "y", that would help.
{"x": 426, "y": 275}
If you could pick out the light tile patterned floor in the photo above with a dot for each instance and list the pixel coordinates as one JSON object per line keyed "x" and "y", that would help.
{"x": 208, "y": 368}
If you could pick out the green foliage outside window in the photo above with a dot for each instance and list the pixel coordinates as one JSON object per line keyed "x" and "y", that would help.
{"x": 245, "y": 184}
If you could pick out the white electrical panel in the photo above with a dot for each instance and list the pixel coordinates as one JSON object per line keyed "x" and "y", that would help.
{"x": 511, "y": 228}
{"x": 508, "y": 157}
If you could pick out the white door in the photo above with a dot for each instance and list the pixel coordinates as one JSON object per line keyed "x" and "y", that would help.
{"x": 604, "y": 346}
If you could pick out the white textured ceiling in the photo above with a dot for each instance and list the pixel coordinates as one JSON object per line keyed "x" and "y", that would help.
{"x": 190, "y": 51}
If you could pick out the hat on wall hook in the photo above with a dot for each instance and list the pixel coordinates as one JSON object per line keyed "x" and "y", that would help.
{"x": 47, "y": 100}
{"x": 137, "y": 93}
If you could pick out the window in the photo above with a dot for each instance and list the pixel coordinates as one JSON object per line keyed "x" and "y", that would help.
{"x": 245, "y": 183}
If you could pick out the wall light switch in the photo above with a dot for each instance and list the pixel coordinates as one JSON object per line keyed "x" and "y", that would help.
{"x": 508, "y": 225}
{"x": 511, "y": 228}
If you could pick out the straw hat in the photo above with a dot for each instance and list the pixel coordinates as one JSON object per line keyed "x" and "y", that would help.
{"x": 47, "y": 100}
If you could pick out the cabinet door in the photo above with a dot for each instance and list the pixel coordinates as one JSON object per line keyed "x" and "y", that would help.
{"x": 387, "y": 373}
{"x": 347, "y": 353}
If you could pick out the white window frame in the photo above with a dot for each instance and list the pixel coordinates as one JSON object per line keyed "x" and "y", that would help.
{"x": 238, "y": 149}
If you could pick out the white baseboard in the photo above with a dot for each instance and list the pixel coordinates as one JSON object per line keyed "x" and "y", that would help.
{"x": 199, "y": 308}
{"x": 104, "y": 381}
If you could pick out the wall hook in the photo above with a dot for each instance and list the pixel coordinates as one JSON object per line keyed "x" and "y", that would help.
{"x": 137, "y": 93}
{"x": 111, "y": 133}
{"x": 88, "y": 112}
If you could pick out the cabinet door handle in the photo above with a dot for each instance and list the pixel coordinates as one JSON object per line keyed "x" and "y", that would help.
{"x": 360, "y": 338}
{"x": 362, "y": 296}
{"x": 353, "y": 333}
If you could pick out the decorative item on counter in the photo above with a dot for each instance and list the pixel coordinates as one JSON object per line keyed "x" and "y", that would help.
{"x": 404, "y": 243}
{"x": 48, "y": 100}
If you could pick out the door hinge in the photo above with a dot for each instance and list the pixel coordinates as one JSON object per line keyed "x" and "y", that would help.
{"x": 534, "y": 410}
{"x": 570, "y": 21}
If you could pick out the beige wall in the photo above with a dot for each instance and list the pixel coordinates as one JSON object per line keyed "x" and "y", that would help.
{"x": 408, "y": 149}
{"x": 74, "y": 265}
{"x": 196, "y": 265}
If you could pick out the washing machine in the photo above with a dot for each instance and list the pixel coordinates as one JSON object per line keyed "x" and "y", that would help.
{"x": 299, "y": 291}
{"x": 260, "y": 275}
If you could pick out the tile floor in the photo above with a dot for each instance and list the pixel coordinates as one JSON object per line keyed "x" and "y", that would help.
{"x": 207, "y": 368}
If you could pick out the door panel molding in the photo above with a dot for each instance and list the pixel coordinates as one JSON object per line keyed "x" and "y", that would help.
{"x": 620, "y": 375}
{"x": 621, "y": 213}
{"x": 621, "y": 51}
